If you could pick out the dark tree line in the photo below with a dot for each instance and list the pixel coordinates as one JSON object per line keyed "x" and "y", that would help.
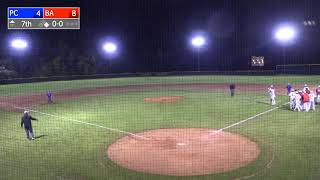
{"x": 49, "y": 54}
{"x": 72, "y": 63}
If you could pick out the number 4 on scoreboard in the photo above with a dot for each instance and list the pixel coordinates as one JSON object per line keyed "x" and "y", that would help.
{"x": 39, "y": 13}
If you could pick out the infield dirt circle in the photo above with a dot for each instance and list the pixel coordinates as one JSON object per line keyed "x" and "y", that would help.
{"x": 183, "y": 152}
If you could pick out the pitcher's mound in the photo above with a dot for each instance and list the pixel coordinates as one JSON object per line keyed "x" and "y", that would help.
{"x": 164, "y": 99}
{"x": 183, "y": 152}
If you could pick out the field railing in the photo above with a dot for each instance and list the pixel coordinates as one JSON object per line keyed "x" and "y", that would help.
{"x": 298, "y": 69}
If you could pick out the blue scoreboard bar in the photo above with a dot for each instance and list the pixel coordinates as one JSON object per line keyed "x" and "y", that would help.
{"x": 25, "y": 12}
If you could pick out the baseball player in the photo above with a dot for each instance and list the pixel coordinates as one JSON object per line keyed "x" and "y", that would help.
{"x": 307, "y": 90}
{"x": 318, "y": 95}
{"x": 272, "y": 95}
{"x": 306, "y": 101}
{"x": 297, "y": 99}
{"x": 50, "y": 97}
{"x": 26, "y": 121}
{"x": 301, "y": 100}
{"x": 305, "y": 87}
{"x": 292, "y": 98}
{"x": 289, "y": 87}
{"x": 312, "y": 101}
{"x": 232, "y": 89}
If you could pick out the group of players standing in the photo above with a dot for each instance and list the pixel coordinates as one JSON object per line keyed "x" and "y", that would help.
{"x": 299, "y": 100}
{"x": 303, "y": 100}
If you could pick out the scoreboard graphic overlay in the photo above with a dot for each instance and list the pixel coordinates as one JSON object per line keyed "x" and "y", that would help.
{"x": 44, "y": 18}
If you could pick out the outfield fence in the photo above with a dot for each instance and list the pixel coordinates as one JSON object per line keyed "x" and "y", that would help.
{"x": 304, "y": 69}
{"x": 138, "y": 74}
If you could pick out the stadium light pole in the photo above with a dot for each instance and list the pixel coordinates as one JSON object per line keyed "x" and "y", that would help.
{"x": 18, "y": 47}
{"x": 285, "y": 35}
{"x": 110, "y": 48}
{"x": 198, "y": 42}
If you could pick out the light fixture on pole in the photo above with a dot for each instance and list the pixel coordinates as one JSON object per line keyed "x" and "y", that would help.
{"x": 110, "y": 48}
{"x": 285, "y": 35}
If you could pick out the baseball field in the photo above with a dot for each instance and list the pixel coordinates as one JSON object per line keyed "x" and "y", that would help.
{"x": 159, "y": 128}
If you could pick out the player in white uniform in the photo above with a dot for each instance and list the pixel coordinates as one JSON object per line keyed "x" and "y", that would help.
{"x": 297, "y": 100}
{"x": 292, "y": 99}
{"x": 272, "y": 94}
{"x": 312, "y": 101}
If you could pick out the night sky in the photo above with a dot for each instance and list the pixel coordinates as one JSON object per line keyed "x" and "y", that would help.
{"x": 153, "y": 34}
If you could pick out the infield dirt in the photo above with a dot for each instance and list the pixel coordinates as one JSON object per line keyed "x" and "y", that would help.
{"x": 184, "y": 152}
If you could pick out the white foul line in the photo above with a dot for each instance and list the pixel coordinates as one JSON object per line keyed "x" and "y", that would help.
{"x": 81, "y": 122}
{"x": 248, "y": 119}
{"x": 129, "y": 133}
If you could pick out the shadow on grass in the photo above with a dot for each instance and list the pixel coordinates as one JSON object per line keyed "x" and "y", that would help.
{"x": 261, "y": 102}
{"x": 286, "y": 108}
{"x": 41, "y": 136}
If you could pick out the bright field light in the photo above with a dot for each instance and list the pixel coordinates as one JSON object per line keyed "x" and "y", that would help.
{"x": 285, "y": 34}
{"x": 110, "y": 47}
{"x": 198, "y": 41}
{"x": 19, "y": 44}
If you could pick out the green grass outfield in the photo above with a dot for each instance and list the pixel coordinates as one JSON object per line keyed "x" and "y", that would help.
{"x": 71, "y": 150}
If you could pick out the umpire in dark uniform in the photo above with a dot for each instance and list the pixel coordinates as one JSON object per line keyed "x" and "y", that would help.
{"x": 26, "y": 121}
{"x": 232, "y": 89}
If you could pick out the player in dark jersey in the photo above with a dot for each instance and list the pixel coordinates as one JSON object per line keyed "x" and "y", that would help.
{"x": 232, "y": 89}
{"x": 50, "y": 97}
{"x": 26, "y": 122}
{"x": 289, "y": 87}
